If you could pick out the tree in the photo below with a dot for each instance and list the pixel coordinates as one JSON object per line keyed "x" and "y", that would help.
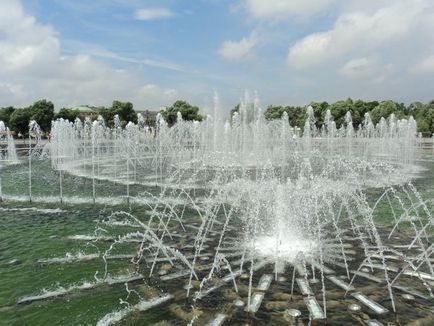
{"x": 383, "y": 110}
{"x": 125, "y": 112}
{"x": 274, "y": 112}
{"x": 20, "y": 120}
{"x": 339, "y": 109}
{"x": 414, "y": 106}
{"x": 5, "y": 114}
{"x": 188, "y": 112}
{"x": 361, "y": 107}
{"x": 422, "y": 125}
{"x": 43, "y": 113}
{"x": 296, "y": 114}
{"x": 107, "y": 114}
{"x": 319, "y": 109}
{"x": 67, "y": 114}
{"x": 424, "y": 116}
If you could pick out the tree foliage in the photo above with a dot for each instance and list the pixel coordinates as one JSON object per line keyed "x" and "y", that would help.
{"x": 124, "y": 110}
{"x": 423, "y": 113}
{"x": 43, "y": 113}
{"x": 19, "y": 120}
{"x": 67, "y": 114}
{"x": 5, "y": 114}
{"x": 188, "y": 112}
{"x": 296, "y": 114}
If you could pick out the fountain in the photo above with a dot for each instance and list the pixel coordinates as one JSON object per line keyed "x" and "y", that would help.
{"x": 249, "y": 220}
{"x": 8, "y": 153}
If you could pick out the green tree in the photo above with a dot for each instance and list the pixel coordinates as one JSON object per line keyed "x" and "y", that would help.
{"x": 296, "y": 114}
{"x": 423, "y": 125}
{"x": 125, "y": 112}
{"x": 414, "y": 107}
{"x": 383, "y": 110}
{"x": 188, "y": 112}
{"x": 67, "y": 114}
{"x": 319, "y": 109}
{"x": 43, "y": 113}
{"x": 361, "y": 107}
{"x": 107, "y": 114}
{"x": 340, "y": 108}
{"x": 5, "y": 114}
{"x": 424, "y": 116}
{"x": 20, "y": 120}
{"x": 274, "y": 112}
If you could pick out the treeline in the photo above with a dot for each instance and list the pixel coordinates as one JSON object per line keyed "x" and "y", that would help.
{"x": 18, "y": 119}
{"x": 43, "y": 112}
{"x": 423, "y": 113}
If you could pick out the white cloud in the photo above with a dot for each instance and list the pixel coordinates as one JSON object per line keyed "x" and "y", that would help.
{"x": 33, "y": 67}
{"x": 367, "y": 68}
{"x": 153, "y": 13}
{"x": 360, "y": 67}
{"x": 238, "y": 50}
{"x": 426, "y": 66}
{"x": 155, "y": 90}
{"x": 283, "y": 9}
{"x": 362, "y": 31}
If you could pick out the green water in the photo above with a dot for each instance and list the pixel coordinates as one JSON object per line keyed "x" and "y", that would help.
{"x": 29, "y": 235}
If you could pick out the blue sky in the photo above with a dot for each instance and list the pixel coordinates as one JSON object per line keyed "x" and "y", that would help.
{"x": 154, "y": 52}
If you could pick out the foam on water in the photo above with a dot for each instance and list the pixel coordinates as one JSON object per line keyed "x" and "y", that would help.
{"x": 34, "y": 209}
{"x": 69, "y": 258}
{"x": 60, "y": 291}
{"x": 117, "y": 316}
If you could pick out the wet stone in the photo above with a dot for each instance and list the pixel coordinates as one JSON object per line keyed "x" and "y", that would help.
{"x": 188, "y": 286}
{"x": 182, "y": 314}
{"x": 354, "y": 307}
{"x": 166, "y": 267}
{"x": 408, "y": 297}
{"x": 231, "y": 294}
{"x": 333, "y": 304}
{"x": 244, "y": 276}
{"x": 293, "y": 312}
{"x": 373, "y": 322}
{"x": 281, "y": 296}
{"x": 277, "y": 305}
{"x": 426, "y": 321}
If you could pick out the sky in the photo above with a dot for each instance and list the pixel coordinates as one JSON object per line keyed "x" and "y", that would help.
{"x": 150, "y": 52}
